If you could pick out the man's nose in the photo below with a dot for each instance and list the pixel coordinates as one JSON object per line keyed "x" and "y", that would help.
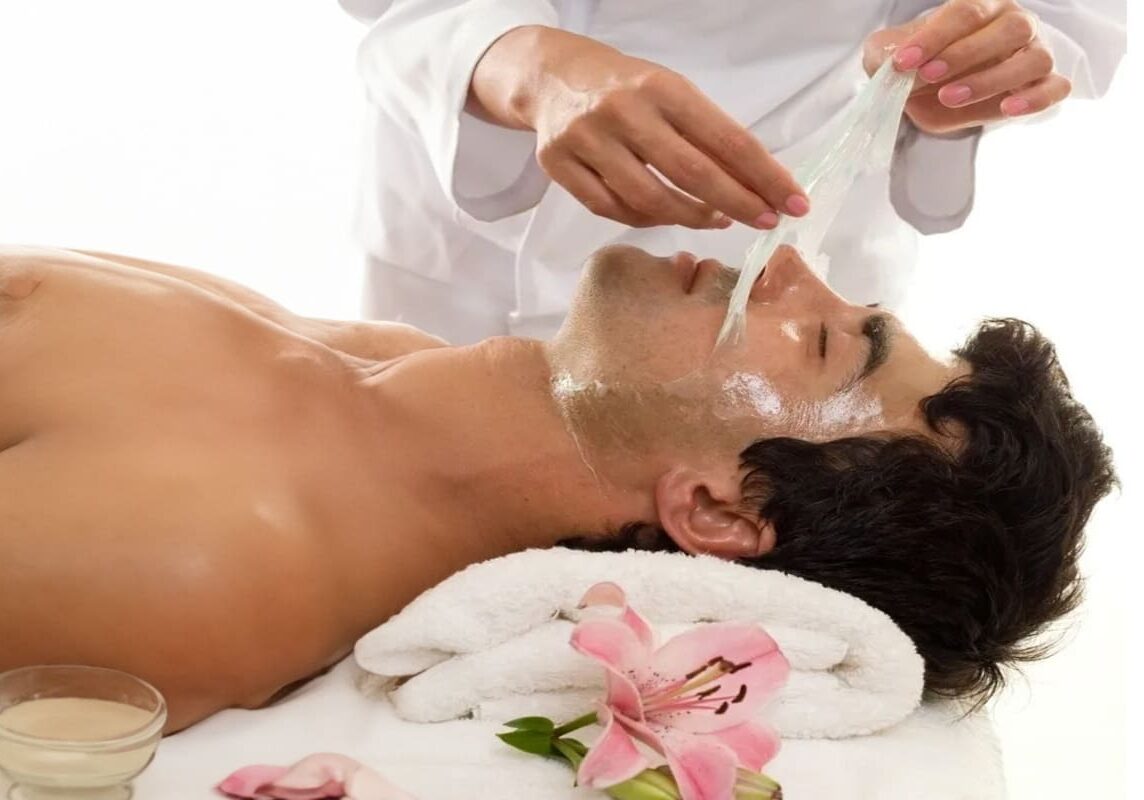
{"x": 788, "y": 278}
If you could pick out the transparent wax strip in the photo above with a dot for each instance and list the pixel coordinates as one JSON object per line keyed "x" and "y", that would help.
{"x": 861, "y": 140}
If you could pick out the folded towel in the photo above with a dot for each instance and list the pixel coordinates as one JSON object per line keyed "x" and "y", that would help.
{"x": 492, "y": 641}
{"x": 936, "y": 753}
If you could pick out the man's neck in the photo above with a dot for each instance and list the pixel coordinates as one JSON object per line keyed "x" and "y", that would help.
{"x": 482, "y": 448}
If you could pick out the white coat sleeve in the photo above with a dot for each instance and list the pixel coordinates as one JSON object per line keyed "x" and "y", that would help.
{"x": 417, "y": 60}
{"x": 932, "y": 177}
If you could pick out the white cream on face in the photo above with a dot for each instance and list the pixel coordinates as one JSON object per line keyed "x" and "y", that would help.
{"x": 750, "y": 397}
{"x": 844, "y": 411}
{"x": 790, "y": 330}
{"x": 746, "y": 391}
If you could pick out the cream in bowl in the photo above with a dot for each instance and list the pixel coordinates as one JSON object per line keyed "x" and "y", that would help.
{"x": 76, "y": 732}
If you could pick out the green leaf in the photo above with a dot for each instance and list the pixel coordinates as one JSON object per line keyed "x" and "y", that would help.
{"x": 532, "y": 724}
{"x": 536, "y": 742}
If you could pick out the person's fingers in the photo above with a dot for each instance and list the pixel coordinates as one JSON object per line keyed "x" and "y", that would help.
{"x": 744, "y": 159}
{"x": 630, "y": 179}
{"x": 733, "y": 148}
{"x": 929, "y": 114}
{"x": 1001, "y": 38}
{"x": 1024, "y": 67}
{"x": 587, "y": 187}
{"x": 1037, "y": 96}
{"x": 695, "y": 173}
{"x": 923, "y": 88}
{"x": 951, "y": 22}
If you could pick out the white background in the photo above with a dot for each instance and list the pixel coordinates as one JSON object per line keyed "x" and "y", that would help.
{"x": 224, "y": 135}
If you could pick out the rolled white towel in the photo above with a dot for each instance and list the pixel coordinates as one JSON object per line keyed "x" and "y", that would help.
{"x": 492, "y": 640}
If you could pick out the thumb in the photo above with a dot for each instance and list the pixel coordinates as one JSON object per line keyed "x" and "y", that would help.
{"x": 880, "y": 44}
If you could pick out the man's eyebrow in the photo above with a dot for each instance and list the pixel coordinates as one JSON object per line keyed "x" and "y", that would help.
{"x": 876, "y": 328}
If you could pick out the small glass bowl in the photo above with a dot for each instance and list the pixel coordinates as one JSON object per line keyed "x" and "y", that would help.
{"x": 88, "y": 750}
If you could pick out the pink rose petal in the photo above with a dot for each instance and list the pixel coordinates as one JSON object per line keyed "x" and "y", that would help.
{"x": 245, "y": 782}
{"x": 315, "y": 777}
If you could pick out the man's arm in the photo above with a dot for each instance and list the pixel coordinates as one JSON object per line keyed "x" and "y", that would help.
{"x": 379, "y": 341}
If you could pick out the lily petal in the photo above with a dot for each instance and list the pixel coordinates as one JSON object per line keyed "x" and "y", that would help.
{"x": 639, "y": 627}
{"x": 752, "y": 743}
{"x": 640, "y": 731}
{"x": 761, "y": 672}
{"x": 622, "y": 695}
{"x": 614, "y": 758}
{"x": 610, "y": 594}
{"x": 604, "y": 593}
{"x": 703, "y": 769}
{"x": 734, "y": 641}
{"x": 614, "y": 645}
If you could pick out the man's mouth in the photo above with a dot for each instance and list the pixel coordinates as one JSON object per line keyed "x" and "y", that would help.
{"x": 714, "y": 278}
{"x": 709, "y": 275}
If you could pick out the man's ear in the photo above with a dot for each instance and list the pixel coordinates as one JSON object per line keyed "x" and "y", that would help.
{"x": 702, "y": 512}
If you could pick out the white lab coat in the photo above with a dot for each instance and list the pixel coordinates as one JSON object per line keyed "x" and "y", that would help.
{"x": 468, "y": 238}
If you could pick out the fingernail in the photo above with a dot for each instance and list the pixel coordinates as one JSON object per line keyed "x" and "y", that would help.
{"x": 954, "y": 95}
{"x": 1014, "y": 106}
{"x": 721, "y": 221}
{"x": 908, "y": 57}
{"x": 797, "y": 205}
{"x": 933, "y": 70}
{"x": 768, "y": 219}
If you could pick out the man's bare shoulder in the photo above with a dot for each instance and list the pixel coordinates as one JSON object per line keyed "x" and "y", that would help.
{"x": 21, "y": 267}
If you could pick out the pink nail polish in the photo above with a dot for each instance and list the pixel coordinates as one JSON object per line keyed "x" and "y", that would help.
{"x": 1014, "y": 106}
{"x": 797, "y": 205}
{"x": 955, "y": 95}
{"x": 768, "y": 219}
{"x": 934, "y": 70}
{"x": 908, "y": 57}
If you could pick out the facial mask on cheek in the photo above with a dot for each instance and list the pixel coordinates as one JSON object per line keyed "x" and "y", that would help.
{"x": 861, "y": 140}
{"x": 748, "y": 404}
{"x": 718, "y": 409}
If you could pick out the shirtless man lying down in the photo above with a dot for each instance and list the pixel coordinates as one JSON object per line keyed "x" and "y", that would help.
{"x": 203, "y": 489}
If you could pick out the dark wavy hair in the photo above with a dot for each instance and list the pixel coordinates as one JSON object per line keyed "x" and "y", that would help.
{"x": 973, "y": 552}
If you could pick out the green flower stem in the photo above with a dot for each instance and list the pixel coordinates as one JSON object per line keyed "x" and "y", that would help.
{"x": 576, "y": 724}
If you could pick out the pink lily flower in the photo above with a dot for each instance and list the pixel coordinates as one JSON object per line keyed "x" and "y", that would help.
{"x": 694, "y": 700}
{"x": 317, "y": 777}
